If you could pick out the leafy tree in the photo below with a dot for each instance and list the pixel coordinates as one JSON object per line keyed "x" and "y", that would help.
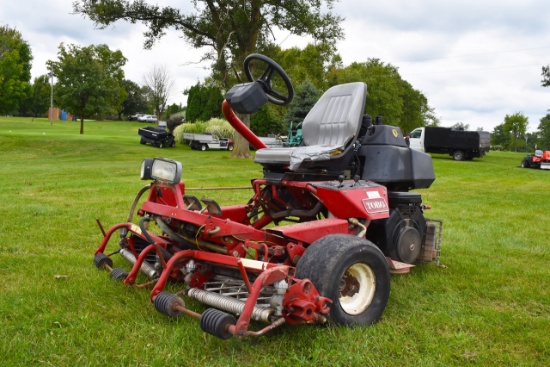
{"x": 161, "y": 85}
{"x": 15, "y": 69}
{"x": 311, "y": 64}
{"x": 173, "y": 109}
{"x": 230, "y": 30}
{"x": 544, "y": 132}
{"x": 515, "y": 126}
{"x": 89, "y": 80}
{"x": 38, "y": 101}
{"x": 203, "y": 103}
{"x": 264, "y": 122}
{"x": 460, "y": 126}
{"x": 135, "y": 101}
{"x": 415, "y": 109}
{"x": 388, "y": 94}
{"x": 501, "y": 137}
{"x": 546, "y": 76}
{"x": 305, "y": 97}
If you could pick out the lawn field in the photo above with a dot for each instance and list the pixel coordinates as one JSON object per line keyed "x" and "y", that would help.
{"x": 487, "y": 305}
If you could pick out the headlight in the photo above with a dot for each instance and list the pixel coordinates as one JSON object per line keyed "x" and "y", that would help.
{"x": 166, "y": 170}
{"x": 146, "y": 166}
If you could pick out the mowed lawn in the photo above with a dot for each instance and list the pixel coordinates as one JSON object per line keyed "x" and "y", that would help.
{"x": 488, "y": 304}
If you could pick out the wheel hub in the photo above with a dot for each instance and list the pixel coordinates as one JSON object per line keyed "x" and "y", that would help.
{"x": 357, "y": 288}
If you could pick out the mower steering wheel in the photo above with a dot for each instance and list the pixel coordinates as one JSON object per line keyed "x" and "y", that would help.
{"x": 278, "y": 98}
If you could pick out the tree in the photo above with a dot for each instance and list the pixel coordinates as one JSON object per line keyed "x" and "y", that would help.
{"x": 516, "y": 125}
{"x": 264, "y": 122}
{"x": 203, "y": 102}
{"x": 38, "y": 100}
{"x": 460, "y": 126}
{"x": 15, "y": 69}
{"x": 135, "y": 101}
{"x": 230, "y": 30}
{"x": 89, "y": 80}
{"x": 546, "y": 76}
{"x": 544, "y": 132}
{"x": 500, "y": 137}
{"x": 388, "y": 94}
{"x": 161, "y": 85}
{"x": 173, "y": 109}
{"x": 305, "y": 97}
{"x": 311, "y": 64}
{"x": 415, "y": 111}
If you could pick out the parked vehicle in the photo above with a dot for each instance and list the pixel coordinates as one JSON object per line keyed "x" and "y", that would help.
{"x": 156, "y": 136}
{"x": 208, "y": 141}
{"x": 315, "y": 241}
{"x": 541, "y": 159}
{"x": 460, "y": 144}
{"x": 147, "y": 118}
{"x": 135, "y": 117}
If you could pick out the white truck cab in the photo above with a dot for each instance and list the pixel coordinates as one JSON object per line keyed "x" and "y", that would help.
{"x": 416, "y": 139}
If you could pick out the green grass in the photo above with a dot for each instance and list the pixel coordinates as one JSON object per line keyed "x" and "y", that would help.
{"x": 489, "y": 305}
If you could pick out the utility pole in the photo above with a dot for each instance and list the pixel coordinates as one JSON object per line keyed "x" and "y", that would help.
{"x": 51, "y": 97}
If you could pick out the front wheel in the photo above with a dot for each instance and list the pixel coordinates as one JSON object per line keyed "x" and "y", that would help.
{"x": 525, "y": 164}
{"x": 230, "y": 147}
{"x": 352, "y": 272}
{"x": 203, "y": 147}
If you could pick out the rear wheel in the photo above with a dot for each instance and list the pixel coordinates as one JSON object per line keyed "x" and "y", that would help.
{"x": 230, "y": 147}
{"x": 352, "y": 272}
{"x": 458, "y": 155}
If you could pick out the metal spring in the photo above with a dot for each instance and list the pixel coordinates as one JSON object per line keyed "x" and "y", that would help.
{"x": 229, "y": 304}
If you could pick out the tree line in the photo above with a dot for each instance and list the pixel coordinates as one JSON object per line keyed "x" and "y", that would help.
{"x": 228, "y": 31}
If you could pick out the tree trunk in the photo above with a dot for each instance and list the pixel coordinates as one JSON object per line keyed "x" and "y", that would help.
{"x": 241, "y": 148}
{"x": 81, "y": 125}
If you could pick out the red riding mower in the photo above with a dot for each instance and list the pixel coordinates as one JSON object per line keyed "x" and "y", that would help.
{"x": 314, "y": 242}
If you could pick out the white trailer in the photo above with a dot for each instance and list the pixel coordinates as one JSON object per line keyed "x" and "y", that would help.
{"x": 208, "y": 141}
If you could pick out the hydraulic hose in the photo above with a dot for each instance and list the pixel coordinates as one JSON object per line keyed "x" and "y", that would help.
{"x": 173, "y": 235}
{"x": 134, "y": 203}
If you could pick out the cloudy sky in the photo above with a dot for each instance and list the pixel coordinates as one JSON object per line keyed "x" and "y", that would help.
{"x": 475, "y": 61}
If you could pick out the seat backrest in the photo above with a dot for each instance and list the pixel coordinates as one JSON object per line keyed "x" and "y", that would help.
{"x": 336, "y": 117}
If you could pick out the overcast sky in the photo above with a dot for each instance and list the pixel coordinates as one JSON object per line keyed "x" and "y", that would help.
{"x": 475, "y": 61}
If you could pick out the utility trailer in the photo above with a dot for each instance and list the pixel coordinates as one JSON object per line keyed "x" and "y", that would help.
{"x": 208, "y": 141}
{"x": 156, "y": 136}
{"x": 460, "y": 144}
{"x": 315, "y": 243}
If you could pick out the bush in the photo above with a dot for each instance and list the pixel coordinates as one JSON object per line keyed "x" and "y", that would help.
{"x": 215, "y": 125}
